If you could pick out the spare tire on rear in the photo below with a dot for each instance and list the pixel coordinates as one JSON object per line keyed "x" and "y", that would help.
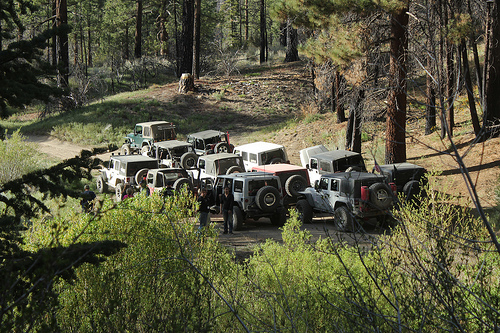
{"x": 380, "y": 195}
{"x": 233, "y": 169}
{"x": 294, "y": 185}
{"x": 221, "y": 147}
{"x": 188, "y": 160}
{"x": 411, "y": 189}
{"x": 139, "y": 175}
{"x": 268, "y": 198}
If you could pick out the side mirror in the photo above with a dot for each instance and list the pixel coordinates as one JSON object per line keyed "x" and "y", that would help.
{"x": 316, "y": 185}
{"x": 307, "y": 166}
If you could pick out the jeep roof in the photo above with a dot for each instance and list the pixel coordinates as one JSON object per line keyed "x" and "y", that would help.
{"x": 171, "y": 144}
{"x": 254, "y": 175}
{"x": 258, "y": 147}
{"x": 334, "y": 155}
{"x": 155, "y": 123}
{"x": 306, "y": 153}
{"x": 206, "y": 134}
{"x": 362, "y": 178}
{"x": 132, "y": 158}
{"x": 278, "y": 168}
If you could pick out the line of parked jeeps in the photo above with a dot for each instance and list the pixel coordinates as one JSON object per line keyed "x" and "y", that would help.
{"x": 259, "y": 175}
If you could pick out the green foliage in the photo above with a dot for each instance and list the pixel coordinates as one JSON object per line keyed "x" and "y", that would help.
{"x": 26, "y": 293}
{"x": 17, "y": 157}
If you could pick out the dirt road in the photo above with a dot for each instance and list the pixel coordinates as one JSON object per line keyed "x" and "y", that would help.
{"x": 58, "y": 149}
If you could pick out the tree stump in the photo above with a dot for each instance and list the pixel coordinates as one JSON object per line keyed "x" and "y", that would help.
{"x": 186, "y": 83}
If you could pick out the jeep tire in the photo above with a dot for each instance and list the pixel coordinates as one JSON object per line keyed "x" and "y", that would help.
{"x": 145, "y": 150}
{"x": 304, "y": 210}
{"x": 294, "y": 185}
{"x": 233, "y": 169}
{"x": 188, "y": 160}
{"x": 343, "y": 219}
{"x": 119, "y": 192}
{"x": 380, "y": 195}
{"x": 125, "y": 149}
{"x": 279, "y": 218}
{"x": 180, "y": 183}
{"x": 101, "y": 184}
{"x": 267, "y": 199}
{"x": 238, "y": 218}
{"x": 221, "y": 147}
{"x": 139, "y": 175}
{"x": 411, "y": 189}
{"x": 276, "y": 160}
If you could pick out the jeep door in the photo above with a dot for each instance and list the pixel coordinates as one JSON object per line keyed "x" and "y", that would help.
{"x": 137, "y": 136}
{"x": 323, "y": 199}
{"x": 313, "y": 170}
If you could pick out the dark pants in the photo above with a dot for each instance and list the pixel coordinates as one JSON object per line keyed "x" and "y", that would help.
{"x": 228, "y": 220}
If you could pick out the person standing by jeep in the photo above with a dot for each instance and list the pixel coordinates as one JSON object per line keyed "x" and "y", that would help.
{"x": 204, "y": 208}
{"x": 226, "y": 206}
{"x": 87, "y": 201}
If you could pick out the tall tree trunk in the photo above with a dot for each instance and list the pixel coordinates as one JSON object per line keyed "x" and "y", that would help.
{"x": 54, "y": 38}
{"x": 263, "y": 32}
{"x": 196, "y": 40}
{"x": 338, "y": 92}
{"x": 187, "y": 37}
{"x": 126, "y": 50}
{"x": 492, "y": 82}
{"x": 469, "y": 87}
{"x": 138, "y": 31}
{"x": 395, "y": 148}
{"x": 62, "y": 44}
{"x": 162, "y": 34}
{"x": 473, "y": 45}
{"x": 246, "y": 20}
{"x": 292, "y": 54}
{"x": 89, "y": 43}
{"x": 430, "y": 109}
{"x": 356, "y": 129}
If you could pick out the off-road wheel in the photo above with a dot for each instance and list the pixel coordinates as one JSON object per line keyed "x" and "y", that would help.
{"x": 279, "y": 218}
{"x": 304, "y": 210}
{"x": 180, "y": 183}
{"x": 189, "y": 160}
{"x": 380, "y": 195}
{"x": 267, "y": 198}
{"x": 238, "y": 218}
{"x": 234, "y": 169}
{"x": 125, "y": 149}
{"x": 221, "y": 147}
{"x": 344, "y": 220}
{"x": 101, "y": 184}
{"x": 145, "y": 150}
{"x": 411, "y": 189}
{"x": 119, "y": 192}
{"x": 294, "y": 185}
{"x": 139, "y": 175}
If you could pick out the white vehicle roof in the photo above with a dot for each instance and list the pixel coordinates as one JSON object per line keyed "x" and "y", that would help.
{"x": 258, "y": 147}
{"x": 306, "y": 153}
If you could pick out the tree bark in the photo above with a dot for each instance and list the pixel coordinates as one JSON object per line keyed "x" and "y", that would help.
{"x": 186, "y": 56}
{"x": 292, "y": 54}
{"x": 162, "y": 33}
{"x": 395, "y": 148}
{"x": 469, "y": 87}
{"x": 492, "y": 82}
{"x": 138, "y": 31}
{"x": 263, "y": 33}
{"x": 338, "y": 92}
{"x": 62, "y": 44}
{"x": 196, "y": 39}
{"x": 430, "y": 109}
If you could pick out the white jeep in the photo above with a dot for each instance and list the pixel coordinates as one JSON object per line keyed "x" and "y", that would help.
{"x": 261, "y": 153}
{"x": 124, "y": 170}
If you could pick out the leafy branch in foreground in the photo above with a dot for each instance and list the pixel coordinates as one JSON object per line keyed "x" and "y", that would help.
{"x": 26, "y": 293}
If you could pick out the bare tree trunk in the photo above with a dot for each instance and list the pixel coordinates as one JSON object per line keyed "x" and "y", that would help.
{"x": 430, "y": 114}
{"x": 469, "y": 87}
{"x": 356, "y": 129}
{"x": 338, "y": 92}
{"x": 89, "y": 47}
{"x": 126, "y": 50}
{"x": 186, "y": 55}
{"x": 162, "y": 34}
{"x": 492, "y": 82}
{"x": 62, "y": 44}
{"x": 450, "y": 82}
{"x": 196, "y": 40}
{"x": 263, "y": 32}
{"x": 395, "y": 148}
{"x": 138, "y": 31}
{"x": 292, "y": 54}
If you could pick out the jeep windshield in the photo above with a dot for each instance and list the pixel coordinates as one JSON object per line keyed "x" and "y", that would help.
{"x": 353, "y": 161}
{"x": 163, "y": 133}
{"x": 257, "y": 184}
{"x": 268, "y": 156}
{"x": 133, "y": 167}
{"x": 223, "y": 165}
{"x": 179, "y": 151}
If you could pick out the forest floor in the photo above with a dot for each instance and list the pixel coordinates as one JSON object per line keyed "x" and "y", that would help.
{"x": 276, "y": 104}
